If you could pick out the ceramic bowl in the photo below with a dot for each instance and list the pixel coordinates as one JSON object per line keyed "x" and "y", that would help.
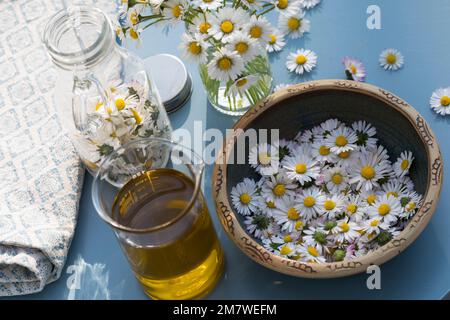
{"x": 399, "y": 127}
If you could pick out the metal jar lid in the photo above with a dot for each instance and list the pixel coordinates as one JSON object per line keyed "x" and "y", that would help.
{"x": 171, "y": 78}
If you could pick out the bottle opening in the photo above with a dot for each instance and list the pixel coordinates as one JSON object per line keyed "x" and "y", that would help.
{"x": 78, "y": 37}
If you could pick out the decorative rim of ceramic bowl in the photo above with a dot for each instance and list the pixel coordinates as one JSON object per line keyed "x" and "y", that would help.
{"x": 399, "y": 243}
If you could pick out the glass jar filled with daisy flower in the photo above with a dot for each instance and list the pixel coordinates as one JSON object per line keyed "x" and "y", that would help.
{"x": 104, "y": 96}
{"x": 228, "y": 39}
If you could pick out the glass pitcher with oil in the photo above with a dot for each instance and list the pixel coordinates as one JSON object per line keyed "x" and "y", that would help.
{"x": 158, "y": 212}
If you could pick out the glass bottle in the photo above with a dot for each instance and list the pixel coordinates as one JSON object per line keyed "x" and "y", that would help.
{"x": 104, "y": 97}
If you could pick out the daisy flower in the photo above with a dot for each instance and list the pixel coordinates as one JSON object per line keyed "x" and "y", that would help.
{"x": 288, "y": 216}
{"x": 367, "y": 171}
{"x": 372, "y": 227}
{"x": 211, "y": 5}
{"x": 346, "y": 231}
{"x": 276, "y": 41}
{"x": 241, "y": 85}
{"x": 386, "y": 209}
{"x": 333, "y": 206}
{"x": 394, "y": 188}
{"x": 225, "y": 65}
{"x": 347, "y": 159}
{"x": 310, "y": 203}
{"x": 407, "y": 182}
{"x": 369, "y": 197}
{"x": 403, "y": 164}
{"x": 227, "y": 22}
{"x": 354, "y": 208}
{"x": 287, "y": 7}
{"x": 315, "y": 236}
{"x": 354, "y": 69}
{"x": 258, "y": 28}
{"x": 341, "y": 140}
{"x": 277, "y": 188}
{"x": 194, "y": 48}
{"x": 245, "y": 46}
{"x": 391, "y": 59}
{"x": 365, "y": 133}
{"x": 264, "y": 158}
{"x": 267, "y": 207}
{"x": 440, "y": 101}
{"x": 322, "y": 153}
{"x": 410, "y": 202}
{"x": 309, "y": 4}
{"x": 327, "y": 127}
{"x": 200, "y": 24}
{"x": 134, "y": 33}
{"x": 293, "y": 25}
{"x": 244, "y": 197}
{"x": 311, "y": 253}
{"x": 336, "y": 179}
{"x": 174, "y": 10}
{"x": 301, "y": 61}
{"x": 286, "y": 250}
{"x": 300, "y": 167}
{"x": 259, "y": 225}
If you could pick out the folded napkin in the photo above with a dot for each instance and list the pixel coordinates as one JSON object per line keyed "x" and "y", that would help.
{"x": 40, "y": 173}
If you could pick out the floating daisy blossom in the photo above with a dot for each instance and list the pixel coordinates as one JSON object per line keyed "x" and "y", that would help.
{"x": 341, "y": 140}
{"x": 440, "y": 101}
{"x": 302, "y": 61}
{"x": 329, "y": 206}
{"x": 265, "y": 159}
{"x": 354, "y": 69}
{"x": 391, "y": 59}
{"x": 294, "y": 25}
{"x": 244, "y": 197}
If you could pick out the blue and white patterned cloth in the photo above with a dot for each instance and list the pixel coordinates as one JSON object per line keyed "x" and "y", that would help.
{"x": 40, "y": 173}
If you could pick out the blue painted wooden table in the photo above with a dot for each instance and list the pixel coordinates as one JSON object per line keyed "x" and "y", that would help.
{"x": 418, "y": 29}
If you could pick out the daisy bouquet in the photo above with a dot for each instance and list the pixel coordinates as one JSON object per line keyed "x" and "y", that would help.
{"x": 229, "y": 39}
{"x": 331, "y": 193}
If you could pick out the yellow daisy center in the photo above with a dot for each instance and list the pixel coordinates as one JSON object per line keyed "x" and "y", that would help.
{"x": 344, "y": 227}
{"x": 137, "y": 116}
{"x": 384, "y": 209}
{"x": 309, "y": 201}
{"x": 298, "y": 225}
{"x": 313, "y": 251}
{"x": 352, "y": 208}
{"x": 301, "y": 59}
{"x": 134, "y": 18}
{"x": 133, "y": 34}
{"x": 344, "y": 155}
{"x": 224, "y": 63}
{"x": 371, "y": 199}
{"x": 241, "y": 82}
{"x": 445, "y": 101}
{"x": 195, "y": 48}
{"x": 329, "y": 205}
{"x": 293, "y": 23}
{"x": 282, "y": 4}
{"x": 287, "y": 238}
{"x": 272, "y": 39}
{"x": 177, "y": 10}
{"x": 324, "y": 151}
{"x": 353, "y": 69}
{"x": 227, "y": 26}
{"x": 374, "y": 223}
{"x": 411, "y": 206}
{"x": 264, "y": 158}
{"x": 204, "y": 27}
{"x": 391, "y": 58}
{"x": 270, "y": 205}
{"x": 341, "y": 141}
{"x": 241, "y": 47}
{"x": 392, "y": 194}
{"x": 301, "y": 168}
{"x": 256, "y": 32}
{"x": 245, "y": 198}
{"x": 120, "y": 104}
{"x": 292, "y": 214}
{"x": 404, "y": 165}
{"x": 279, "y": 190}
{"x": 285, "y": 250}
{"x": 368, "y": 172}
{"x": 337, "y": 178}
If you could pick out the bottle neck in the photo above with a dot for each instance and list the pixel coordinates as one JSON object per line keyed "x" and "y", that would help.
{"x": 78, "y": 37}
